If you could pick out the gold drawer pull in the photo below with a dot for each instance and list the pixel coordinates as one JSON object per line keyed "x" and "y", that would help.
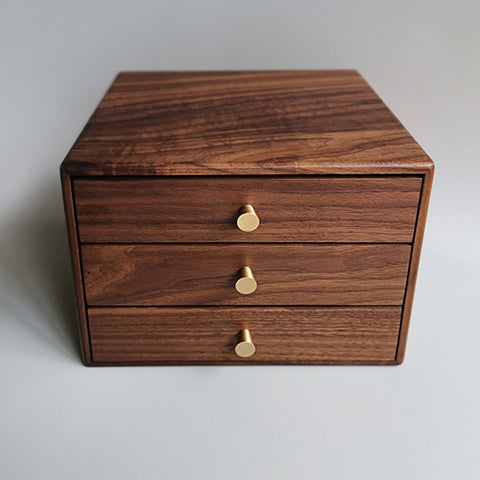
{"x": 247, "y": 219}
{"x": 245, "y": 347}
{"x": 245, "y": 283}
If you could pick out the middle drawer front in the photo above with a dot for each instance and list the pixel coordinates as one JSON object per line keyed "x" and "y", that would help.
{"x": 205, "y": 274}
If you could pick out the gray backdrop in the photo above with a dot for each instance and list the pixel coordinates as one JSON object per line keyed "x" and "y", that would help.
{"x": 60, "y": 419}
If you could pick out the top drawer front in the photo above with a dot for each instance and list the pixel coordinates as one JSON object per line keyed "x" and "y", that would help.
{"x": 204, "y": 209}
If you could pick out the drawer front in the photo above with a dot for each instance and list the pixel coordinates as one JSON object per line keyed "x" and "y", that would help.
{"x": 281, "y": 335}
{"x": 130, "y": 275}
{"x": 291, "y": 209}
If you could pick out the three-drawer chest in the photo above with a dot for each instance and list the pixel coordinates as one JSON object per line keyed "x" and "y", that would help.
{"x": 265, "y": 217}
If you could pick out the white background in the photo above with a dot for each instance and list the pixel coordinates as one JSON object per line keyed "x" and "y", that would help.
{"x": 62, "y": 420}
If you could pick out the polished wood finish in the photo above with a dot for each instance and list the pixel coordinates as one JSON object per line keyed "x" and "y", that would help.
{"x": 301, "y": 274}
{"x": 291, "y": 209}
{"x": 209, "y": 335}
{"x": 243, "y": 123}
{"x": 152, "y": 189}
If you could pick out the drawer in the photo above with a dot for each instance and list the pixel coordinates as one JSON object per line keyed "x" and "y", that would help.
{"x": 208, "y": 335}
{"x": 204, "y": 209}
{"x": 205, "y": 274}
{"x": 203, "y": 204}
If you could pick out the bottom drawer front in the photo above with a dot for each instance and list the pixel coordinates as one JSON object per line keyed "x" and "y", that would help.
{"x": 300, "y": 335}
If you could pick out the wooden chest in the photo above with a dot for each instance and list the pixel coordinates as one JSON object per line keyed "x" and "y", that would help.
{"x": 244, "y": 218}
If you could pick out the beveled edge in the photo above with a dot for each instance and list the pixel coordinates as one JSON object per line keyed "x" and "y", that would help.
{"x": 84, "y": 167}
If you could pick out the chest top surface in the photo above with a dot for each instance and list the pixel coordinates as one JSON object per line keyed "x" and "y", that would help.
{"x": 243, "y": 123}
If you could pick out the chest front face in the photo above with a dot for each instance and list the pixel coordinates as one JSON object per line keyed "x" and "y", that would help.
{"x": 244, "y": 218}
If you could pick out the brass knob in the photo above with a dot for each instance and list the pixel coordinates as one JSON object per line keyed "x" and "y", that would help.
{"x": 245, "y": 347}
{"x": 247, "y": 219}
{"x": 245, "y": 283}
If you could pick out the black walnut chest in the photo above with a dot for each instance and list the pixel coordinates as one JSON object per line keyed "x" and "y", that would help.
{"x": 244, "y": 218}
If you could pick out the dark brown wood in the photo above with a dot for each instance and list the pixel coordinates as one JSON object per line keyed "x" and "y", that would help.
{"x": 291, "y": 209}
{"x": 340, "y": 186}
{"x": 300, "y": 274}
{"x": 281, "y": 335}
{"x": 414, "y": 262}
{"x": 243, "y": 123}
{"x": 76, "y": 266}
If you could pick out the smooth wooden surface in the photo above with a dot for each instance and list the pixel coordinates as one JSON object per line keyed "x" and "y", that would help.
{"x": 280, "y": 335}
{"x": 76, "y": 266}
{"x": 291, "y": 209}
{"x": 243, "y": 123}
{"x": 362, "y": 274}
{"x": 414, "y": 264}
{"x": 342, "y": 216}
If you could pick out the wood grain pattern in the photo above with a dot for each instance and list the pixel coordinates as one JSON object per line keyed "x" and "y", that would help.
{"x": 329, "y": 169}
{"x": 291, "y": 209}
{"x": 281, "y": 335}
{"x": 414, "y": 263}
{"x": 128, "y": 275}
{"x": 76, "y": 266}
{"x": 243, "y": 123}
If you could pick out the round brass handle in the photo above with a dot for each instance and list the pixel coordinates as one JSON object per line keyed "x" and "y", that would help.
{"x": 247, "y": 219}
{"x": 245, "y": 283}
{"x": 245, "y": 347}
